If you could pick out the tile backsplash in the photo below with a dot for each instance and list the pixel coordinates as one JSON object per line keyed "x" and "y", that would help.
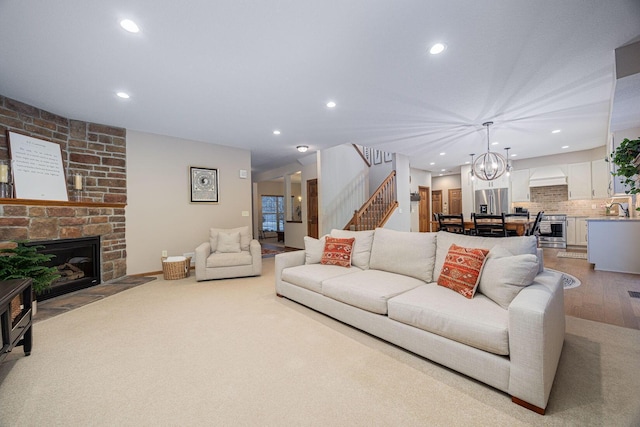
{"x": 555, "y": 199}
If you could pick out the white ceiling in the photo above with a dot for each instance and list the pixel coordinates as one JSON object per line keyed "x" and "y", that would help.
{"x": 230, "y": 71}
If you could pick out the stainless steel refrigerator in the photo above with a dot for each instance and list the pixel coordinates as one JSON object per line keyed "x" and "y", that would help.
{"x": 495, "y": 201}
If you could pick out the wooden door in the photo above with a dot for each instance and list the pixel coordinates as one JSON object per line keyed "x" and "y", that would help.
{"x": 455, "y": 201}
{"x": 424, "y": 210}
{"x": 312, "y": 208}
{"x": 436, "y": 201}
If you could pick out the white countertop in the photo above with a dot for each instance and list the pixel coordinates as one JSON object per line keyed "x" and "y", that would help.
{"x": 611, "y": 218}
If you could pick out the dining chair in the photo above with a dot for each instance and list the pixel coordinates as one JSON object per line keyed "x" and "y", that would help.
{"x": 517, "y": 215}
{"x": 535, "y": 228}
{"x": 489, "y": 225}
{"x": 451, "y": 223}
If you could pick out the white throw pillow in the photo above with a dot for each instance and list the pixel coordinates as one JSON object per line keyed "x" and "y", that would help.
{"x": 361, "y": 248}
{"x": 228, "y": 242}
{"x": 313, "y": 249}
{"x": 504, "y": 275}
{"x": 245, "y": 237}
{"x": 404, "y": 252}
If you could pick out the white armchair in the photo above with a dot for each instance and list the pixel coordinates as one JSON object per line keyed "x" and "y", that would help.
{"x": 228, "y": 253}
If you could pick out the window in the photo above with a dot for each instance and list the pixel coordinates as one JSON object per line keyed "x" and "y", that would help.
{"x": 273, "y": 213}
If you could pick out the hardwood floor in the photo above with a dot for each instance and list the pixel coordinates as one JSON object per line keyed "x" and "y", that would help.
{"x": 603, "y": 296}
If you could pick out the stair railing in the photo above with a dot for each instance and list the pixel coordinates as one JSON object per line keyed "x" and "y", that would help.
{"x": 378, "y": 209}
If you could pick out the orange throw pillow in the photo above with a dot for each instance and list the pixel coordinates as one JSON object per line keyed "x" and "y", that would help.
{"x": 462, "y": 268}
{"x": 337, "y": 251}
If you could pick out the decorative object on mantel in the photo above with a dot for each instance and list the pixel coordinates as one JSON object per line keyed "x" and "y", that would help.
{"x": 625, "y": 158}
{"x": 490, "y": 165}
{"x": 37, "y": 168}
{"x": 78, "y": 187}
{"x": 6, "y": 189}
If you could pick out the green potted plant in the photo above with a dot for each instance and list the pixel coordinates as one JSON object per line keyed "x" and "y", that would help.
{"x": 626, "y": 158}
{"x": 22, "y": 261}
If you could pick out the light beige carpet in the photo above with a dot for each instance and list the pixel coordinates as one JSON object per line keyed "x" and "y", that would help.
{"x": 230, "y": 352}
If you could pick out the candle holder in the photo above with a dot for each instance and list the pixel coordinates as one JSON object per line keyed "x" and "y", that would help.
{"x": 78, "y": 188}
{"x": 6, "y": 187}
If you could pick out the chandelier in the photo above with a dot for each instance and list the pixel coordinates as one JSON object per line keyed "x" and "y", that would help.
{"x": 490, "y": 165}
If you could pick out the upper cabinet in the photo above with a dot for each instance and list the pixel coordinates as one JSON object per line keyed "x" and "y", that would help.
{"x": 600, "y": 179}
{"x": 579, "y": 180}
{"x": 501, "y": 182}
{"x": 520, "y": 186}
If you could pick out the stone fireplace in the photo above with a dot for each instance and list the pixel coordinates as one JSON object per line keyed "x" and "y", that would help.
{"x": 96, "y": 151}
{"x": 77, "y": 262}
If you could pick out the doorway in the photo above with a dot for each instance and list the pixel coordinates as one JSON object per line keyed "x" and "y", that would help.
{"x": 436, "y": 201}
{"x": 312, "y": 208}
{"x": 455, "y": 201}
{"x": 424, "y": 210}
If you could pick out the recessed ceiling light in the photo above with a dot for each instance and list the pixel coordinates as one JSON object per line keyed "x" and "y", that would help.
{"x": 437, "y": 48}
{"x": 514, "y": 155}
{"x": 129, "y": 25}
{"x": 432, "y": 163}
{"x": 442, "y": 154}
{"x": 556, "y": 131}
{"x": 302, "y": 148}
{"x": 467, "y": 162}
{"x": 443, "y": 170}
{"x": 123, "y": 95}
{"x": 564, "y": 146}
{"x": 331, "y": 104}
{"x": 276, "y": 132}
{"x": 495, "y": 143}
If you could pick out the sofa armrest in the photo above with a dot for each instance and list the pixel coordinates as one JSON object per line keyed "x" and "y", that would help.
{"x": 536, "y": 337}
{"x": 202, "y": 253}
{"x": 256, "y": 254}
{"x": 285, "y": 260}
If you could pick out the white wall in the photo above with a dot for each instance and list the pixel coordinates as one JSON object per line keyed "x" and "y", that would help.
{"x": 342, "y": 186}
{"x": 159, "y": 213}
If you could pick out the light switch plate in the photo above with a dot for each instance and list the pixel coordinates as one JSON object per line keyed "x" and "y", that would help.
{"x": 245, "y": 213}
{"x": 243, "y": 173}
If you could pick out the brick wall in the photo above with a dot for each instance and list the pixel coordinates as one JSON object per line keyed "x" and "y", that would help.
{"x": 96, "y": 151}
{"x": 555, "y": 199}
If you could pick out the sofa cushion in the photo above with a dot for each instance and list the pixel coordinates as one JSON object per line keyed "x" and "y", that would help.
{"x": 461, "y": 269}
{"x": 361, "y": 248}
{"x": 337, "y": 251}
{"x": 516, "y": 245}
{"x": 245, "y": 237}
{"x": 505, "y": 275}
{"x": 369, "y": 289}
{"x": 311, "y": 276}
{"x": 408, "y": 253}
{"x": 229, "y": 259}
{"x": 228, "y": 242}
{"x": 477, "y": 322}
{"x": 313, "y": 249}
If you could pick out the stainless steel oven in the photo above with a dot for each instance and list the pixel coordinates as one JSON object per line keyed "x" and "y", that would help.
{"x": 553, "y": 231}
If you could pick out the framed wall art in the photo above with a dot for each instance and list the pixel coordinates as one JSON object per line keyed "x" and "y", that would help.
{"x": 204, "y": 184}
{"x": 388, "y": 157}
{"x": 377, "y": 157}
{"x": 37, "y": 169}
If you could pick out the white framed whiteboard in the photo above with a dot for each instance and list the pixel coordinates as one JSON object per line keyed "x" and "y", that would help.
{"x": 36, "y": 166}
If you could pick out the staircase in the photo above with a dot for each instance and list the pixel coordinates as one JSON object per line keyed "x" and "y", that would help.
{"x": 376, "y": 211}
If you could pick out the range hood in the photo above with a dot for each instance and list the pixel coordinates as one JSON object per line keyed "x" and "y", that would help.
{"x": 547, "y": 176}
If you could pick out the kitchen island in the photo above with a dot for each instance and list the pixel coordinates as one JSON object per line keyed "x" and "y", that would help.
{"x": 614, "y": 244}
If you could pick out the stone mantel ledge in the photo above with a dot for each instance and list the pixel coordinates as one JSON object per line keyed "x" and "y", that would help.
{"x": 32, "y": 202}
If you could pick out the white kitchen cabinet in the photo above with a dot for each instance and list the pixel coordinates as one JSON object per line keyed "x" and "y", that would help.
{"x": 571, "y": 230}
{"x": 581, "y": 232}
{"x": 579, "y": 180}
{"x": 520, "y": 186}
{"x": 576, "y": 231}
{"x": 501, "y": 182}
{"x": 600, "y": 179}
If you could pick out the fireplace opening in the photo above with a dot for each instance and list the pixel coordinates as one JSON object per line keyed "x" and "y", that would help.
{"x": 77, "y": 262}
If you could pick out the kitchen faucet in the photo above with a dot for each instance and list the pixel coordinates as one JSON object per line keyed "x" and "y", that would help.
{"x": 625, "y": 210}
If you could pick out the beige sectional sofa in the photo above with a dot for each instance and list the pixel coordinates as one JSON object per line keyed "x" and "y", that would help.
{"x": 509, "y": 335}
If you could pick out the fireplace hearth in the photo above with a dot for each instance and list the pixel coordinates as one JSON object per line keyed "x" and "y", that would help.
{"x": 77, "y": 262}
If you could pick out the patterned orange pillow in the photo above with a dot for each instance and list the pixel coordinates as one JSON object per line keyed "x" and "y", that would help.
{"x": 337, "y": 251}
{"x": 462, "y": 268}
